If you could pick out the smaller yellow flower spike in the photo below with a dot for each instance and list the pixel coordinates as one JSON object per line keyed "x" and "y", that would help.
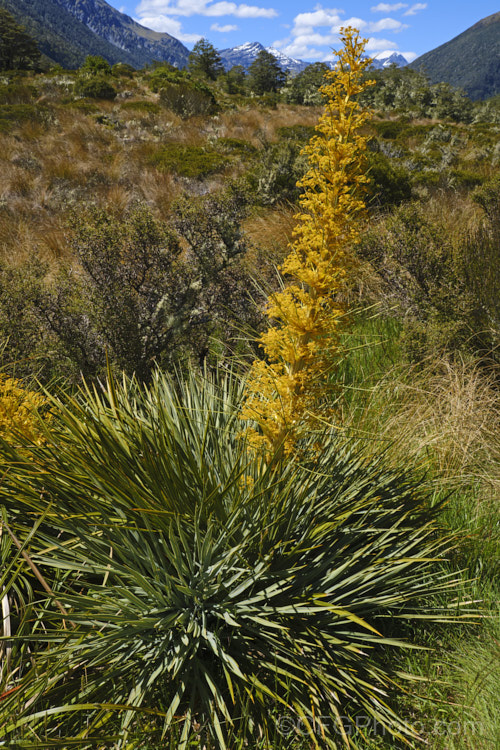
{"x": 18, "y": 409}
{"x": 287, "y": 393}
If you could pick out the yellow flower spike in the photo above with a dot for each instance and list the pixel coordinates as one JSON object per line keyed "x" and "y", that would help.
{"x": 287, "y": 394}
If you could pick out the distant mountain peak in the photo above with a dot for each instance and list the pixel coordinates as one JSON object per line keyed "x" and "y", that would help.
{"x": 245, "y": 54}
{"x": 247, "y": 47}
{"x": 396, "y": 58}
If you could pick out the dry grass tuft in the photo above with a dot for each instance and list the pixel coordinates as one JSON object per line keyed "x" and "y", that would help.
{"x": 449, "y": 410}
{"x": 51, "y": 240}
{"x": 445, "y": 417}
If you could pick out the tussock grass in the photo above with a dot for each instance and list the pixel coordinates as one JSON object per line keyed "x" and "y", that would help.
{"x": 447, "y": 410}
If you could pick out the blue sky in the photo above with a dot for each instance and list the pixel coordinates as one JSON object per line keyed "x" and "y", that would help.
{"x": 310, "y": 31}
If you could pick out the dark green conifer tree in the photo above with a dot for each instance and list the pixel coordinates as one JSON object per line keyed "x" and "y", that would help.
{"x": 204, "y": 60}
{"x": 18, "y": 50}
{"x": 265, "y": 74}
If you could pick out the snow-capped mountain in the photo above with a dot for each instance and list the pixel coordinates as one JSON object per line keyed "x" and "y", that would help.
{"x": 286, "y": 62}
{"x": 394, "y": 59}
{"x": 246, "y": 53}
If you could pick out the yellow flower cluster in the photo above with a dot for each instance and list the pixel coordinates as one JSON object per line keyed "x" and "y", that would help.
{"x": 287, "y": 393}
{"x": 19, "y": 411}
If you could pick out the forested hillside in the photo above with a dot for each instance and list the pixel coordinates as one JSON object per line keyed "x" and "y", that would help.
{"x": 471, "y": 60}
{"x": 60, "y": 36}
{"x": 249, "y": 412}
{"x": 65, "y": 38}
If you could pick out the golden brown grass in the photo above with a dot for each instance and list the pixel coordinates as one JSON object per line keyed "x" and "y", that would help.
{"x": 259, "y": 126}
{"x": 444, "y": 417}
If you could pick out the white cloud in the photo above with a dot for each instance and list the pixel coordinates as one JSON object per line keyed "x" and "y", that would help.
{"x": 356, "y": 23}
{"x": 415, "y": 8}
{"x": 240, "y": 11}
{"x": 305, "y": 23}
{"x": 202, "y": 8}
{"x": 386, "y": 24}
{"x": 169, "y": 26}
{"x": 377, "y": 45}
{"x": 167, "y": 8}
{"x": 314, "y": 30}
{"x": 320, "y": 17}
{"x": 387, "y": 8}
{"x": 223, "y": 29}
{"x": 299, "y": 48}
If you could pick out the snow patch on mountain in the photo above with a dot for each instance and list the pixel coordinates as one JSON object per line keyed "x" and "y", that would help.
{"x": 245, "y": 54}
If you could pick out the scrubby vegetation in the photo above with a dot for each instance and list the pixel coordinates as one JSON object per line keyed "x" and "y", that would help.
{"x": 164, "y": 584}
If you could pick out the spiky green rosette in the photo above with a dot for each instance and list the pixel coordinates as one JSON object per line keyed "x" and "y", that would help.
{"x": 206, "y": 593}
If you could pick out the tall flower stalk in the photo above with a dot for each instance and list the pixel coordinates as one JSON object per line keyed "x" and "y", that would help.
{"x": 287, "y": 391}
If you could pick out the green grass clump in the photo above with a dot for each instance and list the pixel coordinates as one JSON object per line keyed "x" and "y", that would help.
{"x": 16, "y": 92}
{"x": 188, "y": 161}
{"x": 465, "y": 178}
{"x": 299, "y": 133}
{"x": 141, "y": 105}
{"x": 237, "y": 147}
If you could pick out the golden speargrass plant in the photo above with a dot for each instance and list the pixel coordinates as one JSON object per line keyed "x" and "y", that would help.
{"x": 287, "y": 391}
{"x": 19, "y": 411}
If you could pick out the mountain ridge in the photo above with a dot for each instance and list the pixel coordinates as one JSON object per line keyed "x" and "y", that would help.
{"x": 65, "y": 32}
{"x": 244, "y": 54}
{"x": 123, "y": 32}
{"x": 470, "y": 61}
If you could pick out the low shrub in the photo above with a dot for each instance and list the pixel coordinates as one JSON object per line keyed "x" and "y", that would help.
{"x": 390, "y": 182}
{"x": 488, "y": 197}
{"x": 188, "y": 98}
{"x": 95, "y": 87}
{"x": 30, "y": 345}
{"x": 87, "y": 106}
{"x": 136, "y": 292}
{"x": 275, "y": 178}
{"x": 465, "y": 178}
{"x": 16, "y": 93}
{"x": 390, "y": 129}
{"x": 448, "y": 301}
{"x": 297, "y": 133}
{"x": 123, "y": 69}
{"x": 428, "y": 178}
{"x": 164, "y": 74}
{"x": 236, "y": 146}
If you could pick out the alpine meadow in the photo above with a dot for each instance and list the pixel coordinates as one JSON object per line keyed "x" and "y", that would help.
{"x": 249, "y": 405}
